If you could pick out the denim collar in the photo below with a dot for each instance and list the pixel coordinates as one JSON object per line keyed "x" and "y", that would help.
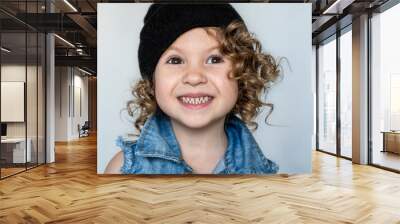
{"x": 158, "y": 140}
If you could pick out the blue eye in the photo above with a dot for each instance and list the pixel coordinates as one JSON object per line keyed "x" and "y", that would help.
{"x": 214, "y": 59}
{"x": 174, "y": 60}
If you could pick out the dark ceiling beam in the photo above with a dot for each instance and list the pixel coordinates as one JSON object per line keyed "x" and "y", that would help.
{"x": 320, "y": 22}
{"x": 52, "y": 22}
{"x": 329, "y": 13}
{"x": 337, "y": 7}
{"x": 91, "y": 5}
{"x": 85, "y": 61}
{"x": 86, "y": 26}
{"x": 335, "y": 17}
{"x": 11, "y": 25}
{"x": 63, "y": 7}
{"x": 49, "y": 22}
{"x": 87, "y": 51}
{"x": 80, "y": 20}
{"x": 332, "y": 29}
{"x": 16, "y": 18}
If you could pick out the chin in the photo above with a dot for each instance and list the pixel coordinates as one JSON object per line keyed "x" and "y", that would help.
{"x": 195, "y": 122}
{"x": 194, "y": 119}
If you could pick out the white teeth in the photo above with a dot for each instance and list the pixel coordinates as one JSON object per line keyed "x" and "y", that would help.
{"x": 196, "y": 100}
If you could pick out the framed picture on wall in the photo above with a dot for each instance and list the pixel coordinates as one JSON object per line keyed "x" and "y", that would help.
{"x": 12, "y": 101}
{"x": 204, "y": 88}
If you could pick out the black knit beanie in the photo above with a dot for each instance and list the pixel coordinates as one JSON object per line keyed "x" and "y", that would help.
{"x": 164, "y": 23}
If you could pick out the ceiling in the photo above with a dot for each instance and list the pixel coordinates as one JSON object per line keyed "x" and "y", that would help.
{"x": 76, "y": 22}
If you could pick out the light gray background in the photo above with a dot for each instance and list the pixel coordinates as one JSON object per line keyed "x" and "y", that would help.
{"x": 284, "y": 31}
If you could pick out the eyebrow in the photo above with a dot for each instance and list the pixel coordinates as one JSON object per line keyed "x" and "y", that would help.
{"x": 180, "y": 50}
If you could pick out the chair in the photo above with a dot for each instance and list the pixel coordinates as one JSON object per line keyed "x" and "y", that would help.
{"x": 84, "y": 130}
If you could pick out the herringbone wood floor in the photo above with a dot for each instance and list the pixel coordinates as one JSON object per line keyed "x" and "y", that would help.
{"x": 70, "y": 191}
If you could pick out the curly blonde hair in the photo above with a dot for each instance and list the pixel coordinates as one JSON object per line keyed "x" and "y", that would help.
{"x": 254, "y": 71}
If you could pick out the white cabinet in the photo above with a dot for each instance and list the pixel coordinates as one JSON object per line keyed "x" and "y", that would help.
{"x": 18, "y": 145}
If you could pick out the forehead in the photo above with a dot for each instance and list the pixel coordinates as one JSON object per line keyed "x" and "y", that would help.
{"x": 197, "y": 38}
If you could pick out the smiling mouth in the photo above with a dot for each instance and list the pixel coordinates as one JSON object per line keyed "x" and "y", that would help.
{"x": 195, "y": 102}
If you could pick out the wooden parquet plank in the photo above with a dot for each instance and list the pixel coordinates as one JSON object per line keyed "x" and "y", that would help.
{"x": 70, "y": 191}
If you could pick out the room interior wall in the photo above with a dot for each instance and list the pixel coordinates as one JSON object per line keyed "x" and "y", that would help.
{"x": 61, "y": 103}
{"x": 71, "y": 102}
{"x": 34, "y": 104}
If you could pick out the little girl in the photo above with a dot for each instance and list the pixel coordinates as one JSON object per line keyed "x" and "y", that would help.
{"x": 203, "y": 75}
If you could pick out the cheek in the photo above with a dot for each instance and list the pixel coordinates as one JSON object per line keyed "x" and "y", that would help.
{"x": 229, "y": 90}
{"x": 162, "y": 90}
{"x": 232, "y": 90}
{"x": 164, "y": 87}
{"x": 233, "y": 85}
{"x": 160, "y": 93}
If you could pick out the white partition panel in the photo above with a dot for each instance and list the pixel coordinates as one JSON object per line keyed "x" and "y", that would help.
{"x": 12, "y": 101}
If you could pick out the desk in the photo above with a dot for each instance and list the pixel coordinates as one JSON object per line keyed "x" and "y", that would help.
{"x": 391, "y": 141}
{"x": 17, "y": 150}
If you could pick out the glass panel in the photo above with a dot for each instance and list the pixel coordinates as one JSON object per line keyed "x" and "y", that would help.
{"x": 395, "y": 102}
{"x": 13, "y": 89}
{"x": 22, "y": 87}
{"x": 314, "y": 75}
{"x": 386, "y": 89}
{"x": 31, "y": 100}
{"x": 346, "y": 93}
{"x": 327, "y": 97}
{"x": 31, "y": 85}
{"x": 41, "y": 98}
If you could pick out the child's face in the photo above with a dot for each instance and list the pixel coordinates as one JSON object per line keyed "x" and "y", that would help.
{"x": 191, "y": 80}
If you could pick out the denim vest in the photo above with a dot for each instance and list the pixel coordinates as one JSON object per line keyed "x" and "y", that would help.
{"x": 157, "y": 151}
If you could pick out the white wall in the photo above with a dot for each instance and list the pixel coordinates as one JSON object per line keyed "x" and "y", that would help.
{"x": 283, "y": 29}
{"x": 61, "y": 103}
{"x": 80, "y": 83}
{"x": 67, "y": 116}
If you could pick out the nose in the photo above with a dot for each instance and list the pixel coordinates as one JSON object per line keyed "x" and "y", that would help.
{"x": 194, "y": 75}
